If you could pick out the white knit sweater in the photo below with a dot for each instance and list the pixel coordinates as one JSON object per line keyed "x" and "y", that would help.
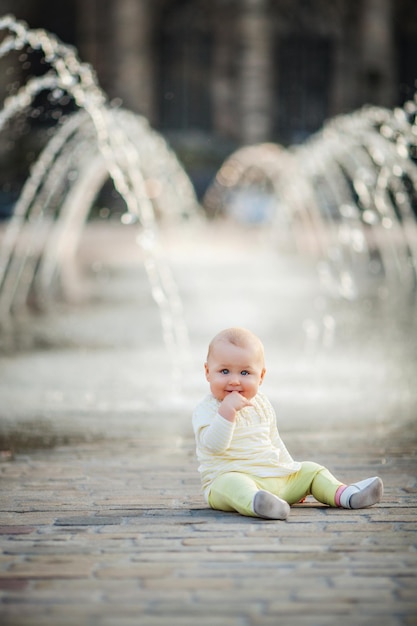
{"x": 251, "y": 444}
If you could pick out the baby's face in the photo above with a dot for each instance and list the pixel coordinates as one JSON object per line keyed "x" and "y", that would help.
{"x": 234, "y": 368}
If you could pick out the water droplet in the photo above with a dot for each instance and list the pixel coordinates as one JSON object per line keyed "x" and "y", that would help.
{"x": 128, "y": 218}
{"x": 370, "y": 217}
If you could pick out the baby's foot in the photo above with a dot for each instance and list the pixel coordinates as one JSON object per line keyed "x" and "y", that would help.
{"x": 267, "y": 505}
{"x": 362, "y": 494}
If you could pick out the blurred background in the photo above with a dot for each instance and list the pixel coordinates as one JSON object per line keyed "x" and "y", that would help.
{"x": 294, "y": 119}
{"x": 214, "y": 75}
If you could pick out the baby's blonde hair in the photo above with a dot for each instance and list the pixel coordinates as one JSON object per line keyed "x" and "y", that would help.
{"x": 240, "y": 337}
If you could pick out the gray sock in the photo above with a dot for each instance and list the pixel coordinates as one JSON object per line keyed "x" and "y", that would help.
{"x": 362, "y": 494}
{"x": 267, "y": 505}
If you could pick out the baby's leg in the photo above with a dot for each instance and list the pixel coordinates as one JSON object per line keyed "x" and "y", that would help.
{"x": 239, "y": 492}
{"x": 312, "y": 479}
{"x": 316, "y": 480}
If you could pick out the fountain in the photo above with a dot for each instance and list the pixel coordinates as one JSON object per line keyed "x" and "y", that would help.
{"x": 345, "y": 202}
{"x": 91, "y": 145}
{"x": 349, "y": 195}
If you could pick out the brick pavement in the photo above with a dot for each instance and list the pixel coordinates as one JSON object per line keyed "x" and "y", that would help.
{"x": 112, "y": 530}
{"x": 116, "y": 533}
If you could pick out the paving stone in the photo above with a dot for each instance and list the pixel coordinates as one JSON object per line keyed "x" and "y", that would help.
{"x": 94, "y": 520}
{"x": 129, "y": 569}
{"x": 61, "y": 566}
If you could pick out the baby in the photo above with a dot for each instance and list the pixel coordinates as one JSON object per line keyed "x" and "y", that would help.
{"x": 244, "y": 464}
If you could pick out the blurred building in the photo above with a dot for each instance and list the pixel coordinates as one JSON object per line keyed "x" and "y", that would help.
{"x": 216, "y": 74}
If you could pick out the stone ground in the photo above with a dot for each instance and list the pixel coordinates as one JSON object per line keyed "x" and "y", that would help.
{"x": 107, "y": 525}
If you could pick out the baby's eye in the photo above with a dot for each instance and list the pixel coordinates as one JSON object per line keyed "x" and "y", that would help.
{"x": 224, "y": 371}
{"x": 244, "y": 373}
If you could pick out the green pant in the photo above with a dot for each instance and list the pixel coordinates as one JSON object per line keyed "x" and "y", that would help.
{"x": 234, "y": 491}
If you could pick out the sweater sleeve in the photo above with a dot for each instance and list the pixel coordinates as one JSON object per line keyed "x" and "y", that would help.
{"x": 212, "y": 431}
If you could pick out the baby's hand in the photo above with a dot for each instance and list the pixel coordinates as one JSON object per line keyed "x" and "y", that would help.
{"x": 231, "y": 404}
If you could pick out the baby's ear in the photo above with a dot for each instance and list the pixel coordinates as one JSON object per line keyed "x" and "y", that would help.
{"x": 262, "y": 376}
{"x": 206, "y": 370}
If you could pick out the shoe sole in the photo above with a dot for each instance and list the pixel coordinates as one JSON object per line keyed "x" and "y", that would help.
{"x": 268, "y": 506}
{"x": 368, "y": 496}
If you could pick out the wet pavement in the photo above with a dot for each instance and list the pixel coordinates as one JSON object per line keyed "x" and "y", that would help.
{"x": 111, "y": 528}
